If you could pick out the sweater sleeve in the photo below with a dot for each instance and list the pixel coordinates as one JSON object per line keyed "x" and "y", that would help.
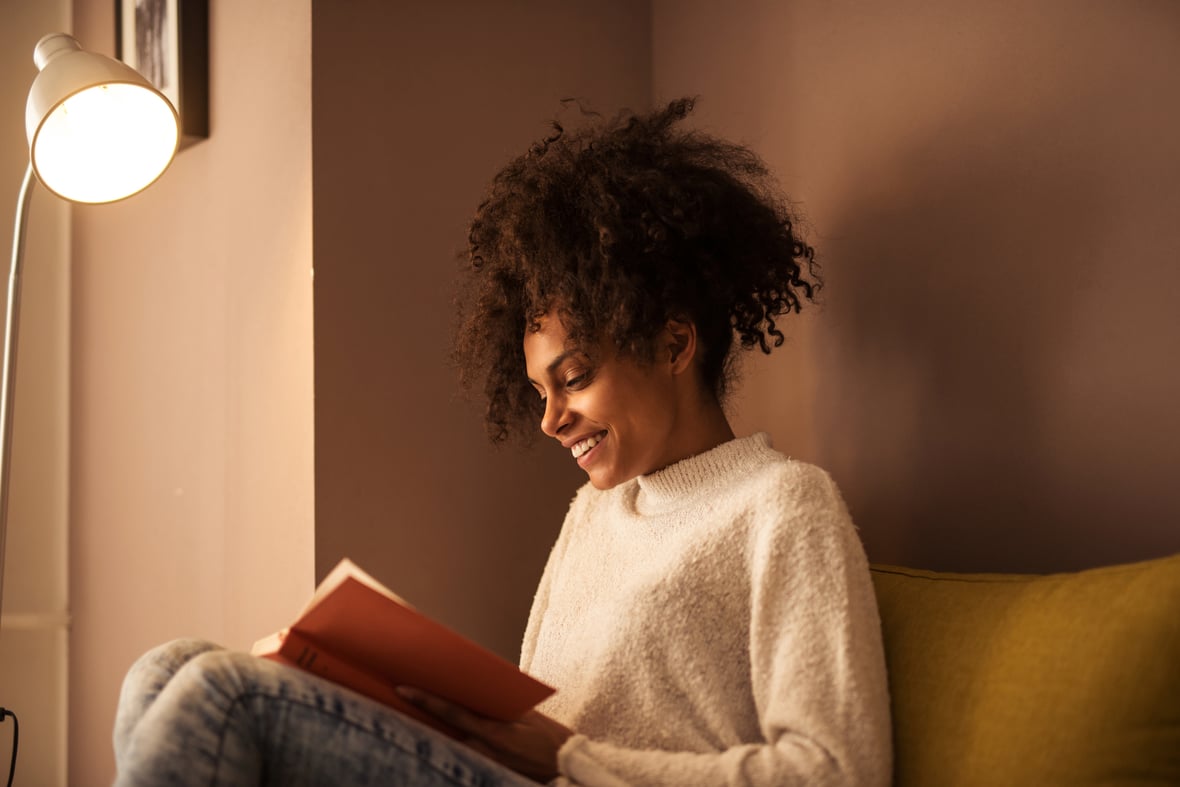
{"x": 816, "y": 666}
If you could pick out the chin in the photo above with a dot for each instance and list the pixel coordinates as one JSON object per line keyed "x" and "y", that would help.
{"x": 604, "y": 481}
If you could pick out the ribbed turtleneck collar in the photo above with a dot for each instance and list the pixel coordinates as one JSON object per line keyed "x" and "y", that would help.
{"x": 697, "y": 475}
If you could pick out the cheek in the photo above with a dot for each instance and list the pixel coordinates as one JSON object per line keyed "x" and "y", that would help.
{"x": 645, "y": 414}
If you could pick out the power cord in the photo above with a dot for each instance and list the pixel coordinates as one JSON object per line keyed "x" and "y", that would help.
{"x": 5, "y": 712}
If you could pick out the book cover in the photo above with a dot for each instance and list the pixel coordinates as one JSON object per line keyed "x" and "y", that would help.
{"x": 358, "y": 633}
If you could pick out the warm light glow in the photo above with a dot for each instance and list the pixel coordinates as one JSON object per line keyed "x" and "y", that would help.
{"x": 105, "y": 143}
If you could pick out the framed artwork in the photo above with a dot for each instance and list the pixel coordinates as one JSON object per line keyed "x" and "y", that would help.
{"x": 168, "y": 42}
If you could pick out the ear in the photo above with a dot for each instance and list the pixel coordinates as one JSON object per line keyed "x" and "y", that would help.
{"x": 681, "y": 342}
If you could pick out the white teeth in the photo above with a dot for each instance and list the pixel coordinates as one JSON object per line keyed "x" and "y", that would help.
{"x": 580, "y": 448}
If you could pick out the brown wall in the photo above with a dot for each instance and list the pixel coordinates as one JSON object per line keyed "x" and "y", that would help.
{"x": 192, "y": 377}
{"x": 993, "y": 190}
{"x": 989, "y": 189}
{"x": 415, "y": 107}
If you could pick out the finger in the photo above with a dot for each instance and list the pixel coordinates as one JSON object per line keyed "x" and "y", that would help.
{"x": 455, "y": 715}
{"x": 435, "y": 706}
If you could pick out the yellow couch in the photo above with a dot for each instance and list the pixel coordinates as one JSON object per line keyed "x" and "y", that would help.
{"x": 1041, "y": 680}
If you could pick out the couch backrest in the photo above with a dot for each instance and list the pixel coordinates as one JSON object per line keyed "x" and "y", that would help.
{"x": 1061, "y": 679}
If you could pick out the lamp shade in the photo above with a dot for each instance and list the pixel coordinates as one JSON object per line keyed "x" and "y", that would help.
{"x": 98, "y": 130}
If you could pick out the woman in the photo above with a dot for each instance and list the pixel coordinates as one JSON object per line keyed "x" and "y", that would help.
{"x": 706, "y": 612}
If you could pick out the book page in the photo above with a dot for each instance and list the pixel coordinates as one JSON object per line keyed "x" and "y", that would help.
{"x": 343, "y": 570}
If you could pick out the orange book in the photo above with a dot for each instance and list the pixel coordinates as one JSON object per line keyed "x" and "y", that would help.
{"x": 358, "y": 633}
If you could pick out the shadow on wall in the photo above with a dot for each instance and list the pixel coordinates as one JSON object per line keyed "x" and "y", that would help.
{"x": 965, "y": 276}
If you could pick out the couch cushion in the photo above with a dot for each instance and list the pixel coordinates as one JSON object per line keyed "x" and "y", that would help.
{"x": 1009, "y": 679}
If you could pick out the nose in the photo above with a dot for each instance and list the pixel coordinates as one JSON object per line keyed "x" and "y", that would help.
{"x": 557, "y": 416}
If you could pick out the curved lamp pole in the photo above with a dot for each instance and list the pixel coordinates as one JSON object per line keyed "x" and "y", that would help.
{"x": 98, "y": 132}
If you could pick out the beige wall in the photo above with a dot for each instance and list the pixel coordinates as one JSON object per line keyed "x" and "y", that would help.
{"x": 33, "y": 633}
{"x": 192, "y": 376}
{"x": 993, "y": 189}
{"x": 416, "y": 106}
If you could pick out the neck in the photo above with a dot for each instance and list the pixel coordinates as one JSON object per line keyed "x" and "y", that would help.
{"x": 715, "y": 426}
{"x": 702, "y": 426}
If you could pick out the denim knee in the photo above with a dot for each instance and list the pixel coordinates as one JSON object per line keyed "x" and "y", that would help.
{"x": 231, "y": 674}
{"x": 146, "y": 678}
{"x": 171, "y": 656}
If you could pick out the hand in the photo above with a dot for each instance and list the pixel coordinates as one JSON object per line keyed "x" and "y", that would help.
{"x": 528, "y": 745}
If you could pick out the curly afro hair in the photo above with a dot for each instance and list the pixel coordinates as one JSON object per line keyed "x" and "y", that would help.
{"x": 621, "y": 227}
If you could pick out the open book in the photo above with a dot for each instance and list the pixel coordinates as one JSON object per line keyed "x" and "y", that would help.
{"x": 358, "y": 633}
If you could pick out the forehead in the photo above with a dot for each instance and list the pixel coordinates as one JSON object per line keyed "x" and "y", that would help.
{"x": 544, "y": 344}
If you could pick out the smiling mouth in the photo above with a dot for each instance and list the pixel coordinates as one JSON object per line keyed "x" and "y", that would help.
{"x": 580, "y": 448}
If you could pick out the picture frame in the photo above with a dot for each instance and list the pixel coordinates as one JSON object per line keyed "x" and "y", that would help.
{"x": 168, "y": 42}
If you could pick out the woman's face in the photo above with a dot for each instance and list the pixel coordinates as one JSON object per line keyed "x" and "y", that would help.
{"x": 617, "y": 417}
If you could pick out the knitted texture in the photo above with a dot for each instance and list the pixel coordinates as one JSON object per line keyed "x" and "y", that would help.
{"x": 713, "y": 623}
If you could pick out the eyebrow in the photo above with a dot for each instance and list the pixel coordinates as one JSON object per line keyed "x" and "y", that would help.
{"x": 552, "y": 367}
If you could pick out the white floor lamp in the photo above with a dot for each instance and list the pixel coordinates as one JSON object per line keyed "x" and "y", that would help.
{"x": 98, "y": 132}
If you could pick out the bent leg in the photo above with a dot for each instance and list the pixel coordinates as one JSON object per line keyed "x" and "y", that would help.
{"x": 146, "y": 679}
{"x": 224, "y": 718}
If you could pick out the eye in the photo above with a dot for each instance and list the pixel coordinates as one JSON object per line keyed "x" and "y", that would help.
{"x": 578, "y": 381}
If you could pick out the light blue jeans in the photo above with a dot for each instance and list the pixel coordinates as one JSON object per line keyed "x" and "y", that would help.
{"x": 193, "y": 713}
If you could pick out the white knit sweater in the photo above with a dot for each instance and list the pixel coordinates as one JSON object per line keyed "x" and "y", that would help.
{"x": 713, "y": 623}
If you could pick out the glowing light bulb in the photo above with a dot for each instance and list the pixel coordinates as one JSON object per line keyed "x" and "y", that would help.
{"x": 105, "y": 142}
